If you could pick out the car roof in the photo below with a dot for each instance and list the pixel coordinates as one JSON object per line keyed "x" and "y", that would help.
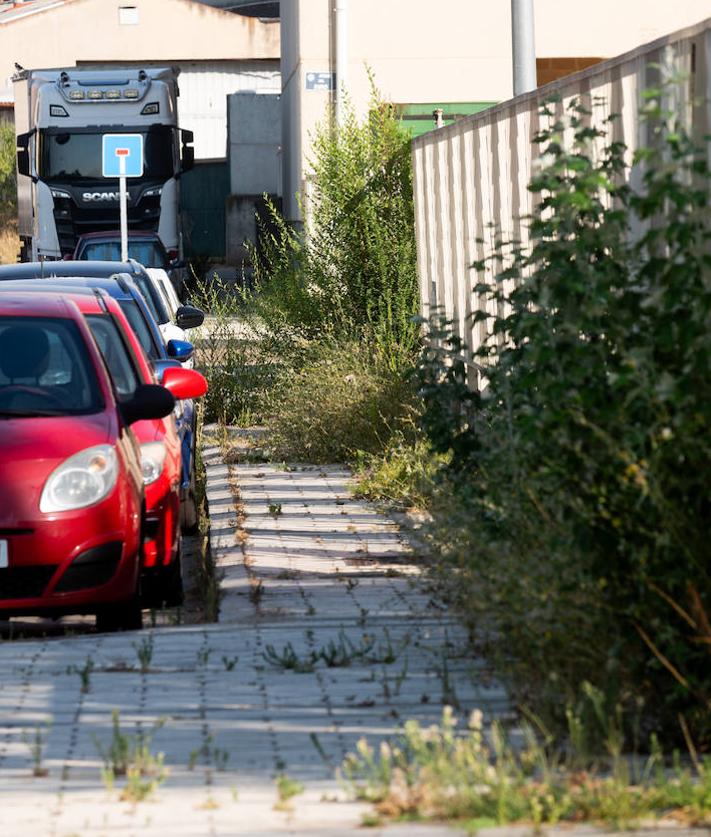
{"x": 93, "y": 269}
{"x": 115, "y": 285}
{"x": 16, "y": 303}
{"x": 87, "y": 300}
{"x": 119, "y": 286}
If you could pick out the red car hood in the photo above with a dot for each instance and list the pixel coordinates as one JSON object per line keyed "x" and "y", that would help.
{"x": 31, "y": 448}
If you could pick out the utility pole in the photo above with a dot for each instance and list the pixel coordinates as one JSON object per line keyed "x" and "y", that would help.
{"x": 341, "y": 45}
{"x": 524, "y": 46}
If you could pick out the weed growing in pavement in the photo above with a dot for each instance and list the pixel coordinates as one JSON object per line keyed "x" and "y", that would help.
{"x": 129, "y": 755}
{"x": 318, "y": 746}
{"x": 289, "y": 659}
{"x": 275, "y": 509}
{"x": 175, "y": 616}
{"x": 84, "y": 674}
{"x": 207, "y": 574}
{"x": 287, "y": 789}
{"x": 344, "y": 651}
{"x": 203, "y": 656}
{"x": 229, "y": 662}
{"x": 216, "y": 757}
{"x": 144, "y": 652}
{"x": 386, "y": 652}
{"x": 449, "y": 694}
{"x": 437, "y": 772}
{"x": 397, "y": 681}
{"x": 256, "y": 591}
{"x": 36, "y": 744}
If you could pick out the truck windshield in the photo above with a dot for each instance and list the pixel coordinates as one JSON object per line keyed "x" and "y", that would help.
{"x": 67, "y": 155}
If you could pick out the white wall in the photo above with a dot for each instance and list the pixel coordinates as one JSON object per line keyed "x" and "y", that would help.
{"x": 448, "y": 51}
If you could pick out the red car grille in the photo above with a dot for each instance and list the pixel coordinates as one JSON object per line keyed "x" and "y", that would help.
{"x": 25, "y": 582}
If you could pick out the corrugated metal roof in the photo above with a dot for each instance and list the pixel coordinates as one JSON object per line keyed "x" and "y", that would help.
{"x": 10, "y": 12}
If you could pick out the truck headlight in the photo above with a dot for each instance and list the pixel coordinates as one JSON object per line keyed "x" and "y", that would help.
{"x": 80, "y": 481}
{"x": 152, "y": 461}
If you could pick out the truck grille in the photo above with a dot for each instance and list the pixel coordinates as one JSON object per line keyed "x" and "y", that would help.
{"x": 72, "y": 220}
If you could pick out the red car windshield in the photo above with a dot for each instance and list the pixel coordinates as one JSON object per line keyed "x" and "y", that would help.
{"x": 45, "y": 370}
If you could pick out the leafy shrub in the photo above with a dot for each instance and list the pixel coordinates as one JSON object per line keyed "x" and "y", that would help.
{"x": 352, "y": 275}
{"x": 240, "y": 372}
{"x": 340, "y": 401}
{"x": 580, "y": 525}
{"x": 8, "y": 182}
{"x": 405, "y": 473}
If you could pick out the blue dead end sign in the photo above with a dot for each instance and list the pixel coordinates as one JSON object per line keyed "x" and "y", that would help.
{"x": 122, "y": 155}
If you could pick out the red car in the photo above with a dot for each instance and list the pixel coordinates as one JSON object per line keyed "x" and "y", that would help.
{"x": 162, "y": 581}
{"x": 71, "y": 483}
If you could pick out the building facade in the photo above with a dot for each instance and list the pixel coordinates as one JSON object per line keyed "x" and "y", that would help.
{"x": 453, "y": 56}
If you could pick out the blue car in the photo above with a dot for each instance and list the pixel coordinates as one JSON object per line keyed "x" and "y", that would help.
{"x": 122, "y": 287}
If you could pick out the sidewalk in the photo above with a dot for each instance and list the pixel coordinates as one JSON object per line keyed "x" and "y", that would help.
{"x": 309, "y": 574}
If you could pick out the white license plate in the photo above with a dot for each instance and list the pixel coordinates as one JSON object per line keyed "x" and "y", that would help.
{"x": 4, "y": 561}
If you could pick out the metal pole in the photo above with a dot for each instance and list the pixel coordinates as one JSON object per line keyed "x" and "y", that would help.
{"x": 524, "y": 46}
{"x": 341, "y": 9}
{"x": 124, "y": 210}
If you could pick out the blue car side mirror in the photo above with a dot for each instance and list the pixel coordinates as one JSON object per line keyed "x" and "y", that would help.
{"x": 180, "y": 350}
{"x": 161, "y": 365}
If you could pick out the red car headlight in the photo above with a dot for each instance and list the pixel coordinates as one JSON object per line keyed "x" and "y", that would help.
{"x": 152, "y": 461}
{"x": 82, "y": 480}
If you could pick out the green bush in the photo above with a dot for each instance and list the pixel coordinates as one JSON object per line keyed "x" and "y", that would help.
{"x": 340, "y": 401}
{"x": 579, "y": 527}
{"x": 405, "y": 473}
{"x": 8, "y": 180}
{"x": 240, "y": 371}
{"x": 352, "y": 275}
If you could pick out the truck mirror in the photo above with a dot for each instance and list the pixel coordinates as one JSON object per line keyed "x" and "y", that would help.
{"x": 187, "y": 151}
{"x": 23, "y": 154}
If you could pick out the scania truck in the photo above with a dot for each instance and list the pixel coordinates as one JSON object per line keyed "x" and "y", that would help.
{"x": 60, "y": 117}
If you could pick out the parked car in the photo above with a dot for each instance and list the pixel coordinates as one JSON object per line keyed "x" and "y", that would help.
{"x": 183, "y": 318}
{"x": 178, "y": 320}
{"x": 71, "y": 487}
{"x": 133, "y": 304}
{"x": 145, "y": 247}
{"x": 161, "y": 565}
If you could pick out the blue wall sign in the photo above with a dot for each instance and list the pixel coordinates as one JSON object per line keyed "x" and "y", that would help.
{"x": 320, "y": 81}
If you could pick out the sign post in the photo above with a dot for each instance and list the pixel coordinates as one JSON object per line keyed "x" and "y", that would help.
{"x": 122, "y": 157}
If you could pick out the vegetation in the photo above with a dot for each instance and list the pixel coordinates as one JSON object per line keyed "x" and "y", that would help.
{"x": 9, "y": 242}
{"x": 486, "y": 780}
{"x": 572, "y": 518}
{"x": 327, "y": 333}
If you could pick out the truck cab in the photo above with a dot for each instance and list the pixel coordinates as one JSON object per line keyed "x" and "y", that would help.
{"x": 61, "y": 117}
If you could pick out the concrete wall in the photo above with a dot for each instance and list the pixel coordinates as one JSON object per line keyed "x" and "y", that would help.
{"x": 470, "y": 178}
{"x": 254, "y": 124}
{"x": 448, "y": 51}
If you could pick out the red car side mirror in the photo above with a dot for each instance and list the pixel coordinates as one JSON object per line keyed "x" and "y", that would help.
{"x": 184, "y": 383}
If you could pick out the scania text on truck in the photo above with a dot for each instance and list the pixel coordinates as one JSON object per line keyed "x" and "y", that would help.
{"x": 60, "y": 118}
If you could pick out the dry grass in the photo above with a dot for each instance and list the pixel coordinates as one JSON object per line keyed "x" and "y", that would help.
{"x": 9, "y": 242}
